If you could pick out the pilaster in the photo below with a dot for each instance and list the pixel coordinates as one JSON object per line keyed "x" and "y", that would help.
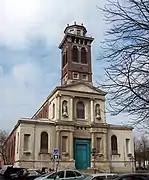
{"x": 92, "y": 141}
{"x": 92, "y": 110}
{"x": 58, "y": 107}
{"x": 71, "y": 108}
{"x": 71, "y": 145}
{"x": 58, "y": 139}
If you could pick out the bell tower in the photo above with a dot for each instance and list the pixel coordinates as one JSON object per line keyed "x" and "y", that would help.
{"x": 76, "y": 55}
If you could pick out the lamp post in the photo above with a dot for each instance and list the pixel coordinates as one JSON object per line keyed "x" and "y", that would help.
{"x": 132, "y": 159}
{"x": 94, "y": 153}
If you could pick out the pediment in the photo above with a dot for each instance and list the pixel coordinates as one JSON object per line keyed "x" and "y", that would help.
{"x": 82, "y": 87}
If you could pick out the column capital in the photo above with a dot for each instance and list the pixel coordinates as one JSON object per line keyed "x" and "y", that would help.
{"x": 58, "y": 95}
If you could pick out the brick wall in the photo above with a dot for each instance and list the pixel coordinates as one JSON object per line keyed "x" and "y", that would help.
{"x": 10, "y": 148}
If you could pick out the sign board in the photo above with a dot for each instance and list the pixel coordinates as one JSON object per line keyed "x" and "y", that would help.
{"x": 56, "y": 158}
{"x": 55, "y": 152}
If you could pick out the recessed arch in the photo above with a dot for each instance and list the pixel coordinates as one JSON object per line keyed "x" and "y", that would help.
{"x": 44, "y": 142}
{"x": 80, "y": 110}
{"x": 83, "y": 55}
{"x": 114, "y": 148}
{"x": 75, "y": 54}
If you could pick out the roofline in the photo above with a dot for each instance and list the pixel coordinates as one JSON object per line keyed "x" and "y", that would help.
{"x": 73, "y": 35}
{"x": 12, "y": 131}
{"x": 120, "y": 127}
{"x": 62, "y": 89}
{"x": 28, "y": 121}
{"x": 48, "y": 97}
{"x": 76, "y": 25}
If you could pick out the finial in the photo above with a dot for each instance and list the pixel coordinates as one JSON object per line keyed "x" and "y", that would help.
{"x": 75, "y": 23}
{"x": 67, "y": 25}
{"x": 81, "y": 24}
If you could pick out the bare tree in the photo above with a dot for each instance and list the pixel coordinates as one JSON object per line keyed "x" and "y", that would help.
{"x": 126, "y": 53}
{"x": 3, "y": 137}
{"x": 142, "y": 150}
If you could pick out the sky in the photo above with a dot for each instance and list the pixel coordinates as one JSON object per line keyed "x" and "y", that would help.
{"x": 30, "y": 33}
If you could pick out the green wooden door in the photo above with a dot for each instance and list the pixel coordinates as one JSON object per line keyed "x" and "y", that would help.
{"x": 82, "y": 153}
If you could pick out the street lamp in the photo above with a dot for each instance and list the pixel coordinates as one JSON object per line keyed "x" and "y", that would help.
{"x": 94, "y": 154}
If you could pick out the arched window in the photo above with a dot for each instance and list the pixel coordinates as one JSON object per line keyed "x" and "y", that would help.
{"x": 75, "y": 56}
{"x": 83, "y": 55}
{"x": 44, "y": 142}
{"x": 80, "y": 110}
{"x": 53, "y": 110}
{"x": 114, "y": 144}
{"x": 63, "y": 60}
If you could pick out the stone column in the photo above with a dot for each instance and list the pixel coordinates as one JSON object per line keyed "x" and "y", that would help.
{"x": 92, "y": 144}
{"x": 92, "y": 110}
{"x": 57, "y": 139}
{"x": 58, "y": 108}
{"x": 71, "y": 109}
{"x": 71, "y": 145}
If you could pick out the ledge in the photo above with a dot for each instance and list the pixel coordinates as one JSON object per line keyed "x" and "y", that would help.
{"x": 116, "y": 154}
{"x": 27, "y": 152}
{"x": 44, "y": 153}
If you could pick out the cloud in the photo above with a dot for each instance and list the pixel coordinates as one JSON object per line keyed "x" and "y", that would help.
{"x": 21, "y": 19}
{"x": 30, "y": 33}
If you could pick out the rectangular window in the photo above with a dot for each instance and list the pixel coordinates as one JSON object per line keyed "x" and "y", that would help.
{"x": 17, "y": 142}
{"x": 79, "y": 32}
{"x": 71, "y": 31}
{"x": 64, "y": 143}
{"x": 98, "y": 145}
{"x": 26, "y": 142}
{"x": 75, "y": 75}
{"x": 84, "y": 77}
{"x": 127, "y": 146}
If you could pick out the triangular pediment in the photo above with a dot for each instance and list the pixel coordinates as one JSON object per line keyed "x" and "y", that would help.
{"x": 82, "y": 87}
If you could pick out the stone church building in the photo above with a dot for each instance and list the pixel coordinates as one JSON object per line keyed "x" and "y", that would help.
{"x": 73, "y": 119}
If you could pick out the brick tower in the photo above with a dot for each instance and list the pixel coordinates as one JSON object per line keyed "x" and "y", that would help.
{"x": 76, "y": 55}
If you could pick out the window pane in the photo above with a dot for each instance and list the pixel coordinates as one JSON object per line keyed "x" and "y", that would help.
{"x": 80, "y": 110}
{"x": 98, "y": 141}
{"x": 114, "y": 144}
{"x": 26, "y": 142}
{"x": 70, "y": 174}
{"x": 44, "y": 142}
{"x": 83, "y": 56}
{"x": 60, "y": 174}
{"x": 64, "y": 143}
{"x": 75, "y": 54}
{"x": 77, "y": 173}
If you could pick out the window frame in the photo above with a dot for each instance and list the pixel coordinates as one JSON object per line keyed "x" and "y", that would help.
{"x": 114, "y": 146}
{"x": 80, "y": 112}
{"x": 75, "y": 54}
{"x": 44, "y": 145}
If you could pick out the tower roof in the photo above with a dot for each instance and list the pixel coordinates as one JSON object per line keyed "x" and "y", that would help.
{"x": 75, "y": 26}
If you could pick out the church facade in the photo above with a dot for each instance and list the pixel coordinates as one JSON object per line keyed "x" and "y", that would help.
{"x": 73, "y": 119}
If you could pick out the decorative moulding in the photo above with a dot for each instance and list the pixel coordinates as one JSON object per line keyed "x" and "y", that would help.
{"x": 43, "y": 153}
{"x": 65, "y": 154}
{"x": 100, "y": 154}
{"x": 129, "y": 154}
{"x": 27, "y": 152}
{"x": 116, "y": 154}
